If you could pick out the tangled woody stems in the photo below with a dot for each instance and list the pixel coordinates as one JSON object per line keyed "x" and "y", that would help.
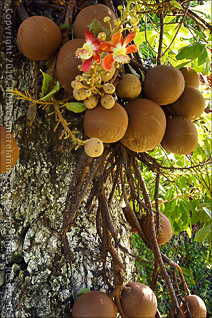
{"x": 93, "y": 48}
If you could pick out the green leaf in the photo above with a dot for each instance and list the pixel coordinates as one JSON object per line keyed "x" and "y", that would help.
{"x": 191, "y": 51}
{"x": 64, "y": 26}
{"x": 203, "y": 57}
{"x": 140, "y": 37}
{"x": 46, "y": 80}
{"x": 203, "y": 233}
{"x": 76, "y": 107}
{"x": 50, "y": 94}
{"x": 187, "y": 272}
{"x": 134, "y": 72}
{"x": 83, "y": 291}
{"x": 209, "y": 212}
{"x": 175, "y": 4}
{"x": 168, "y": 19}
{"x": 96, "y": 27}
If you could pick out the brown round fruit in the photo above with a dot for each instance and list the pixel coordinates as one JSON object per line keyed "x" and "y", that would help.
{"x": 196, "y": 306}
{"x": 107, "y": 101}
{"x": 9, "y": 151}
{"x": 147, "y": 124}
{"x": 94, "y": 304}
{"x": 38, "y": 38}
{"x": 181, "y": 136}
{"x": 190, "y": 75}
{"x": 139, "y": 301}
{"x": 94, "y": 147}
{"x": 88, "y": 14}
{"x": 128, "y": 87}
{"x": 67, "y": 63}
{"x": 163, "y": 84}
{"x": 191, "y": 103}
{"x": 164, "y": 232}
{"x": 109, "y": 125}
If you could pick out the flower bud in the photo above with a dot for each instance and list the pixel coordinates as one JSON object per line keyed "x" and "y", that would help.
{"x": 134, "y": 20}
{"x": 117, "y": 22}
{"x": 106, "y": 19}
{"x": 79, "y": 78}
{"x": 102, "y": 36}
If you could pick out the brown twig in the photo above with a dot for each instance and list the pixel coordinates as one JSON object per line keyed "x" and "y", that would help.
{"x": 160, "y": 47}
{"x": 154, "y": 242}
{"x": 154, "y": 275}
{"x": 156, "y": 201}
{"x": 178, "y": 29}
{"x": 72, "y": 212}
{"x": 22, "y": 12}
{"x": 68, "y": 19}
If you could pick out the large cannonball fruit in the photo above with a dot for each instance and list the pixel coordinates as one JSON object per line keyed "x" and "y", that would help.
{"x": 139, "y": 301}
{"x": 164, "y": 231}
{"x": 147, "y": 124}
{"x": 181, "y": 136}
{"x": 109, "y": 125}
{"x": 191, "y": 103}
{"x": 94, "y": 304}
{"x": 163, "y": 84}
{"x": 67, "y": 63}
{"x": 196, "y": 306}
{"x": 128, "y": 87}
{"x": 88, "y": 14}
{"x": 38, "y": 38}
{"x": 190, "y": 75}
{"x": 9, "y": 151}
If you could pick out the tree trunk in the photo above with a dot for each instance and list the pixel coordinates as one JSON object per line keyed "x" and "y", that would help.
{"x": 36, "y": 278}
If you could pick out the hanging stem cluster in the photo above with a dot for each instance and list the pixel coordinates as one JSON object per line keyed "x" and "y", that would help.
{"x": 119, "y": 166}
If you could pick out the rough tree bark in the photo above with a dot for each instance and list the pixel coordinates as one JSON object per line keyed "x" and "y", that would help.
{"x": 36, "y": 279}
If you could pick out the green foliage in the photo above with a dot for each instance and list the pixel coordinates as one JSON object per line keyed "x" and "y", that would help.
{"x": 83, "y": 291}
{"x": 196, "y": 50}
{"x": 176, "y": 4}
{"x": 186, "y": 186}
{"x": 47, "y": 79}
{"x": 183, "y": 42}
{"x": 192, "y": 258}
{"x": 76, "y": 107}
{"x": 51, "y": 93}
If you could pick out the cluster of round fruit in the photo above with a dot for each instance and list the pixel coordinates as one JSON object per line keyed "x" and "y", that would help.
{"x": 83, "y": 91}
{"x": 163, "y": 114}
{"x": 39, "y": 38}
{"x": 137, "y": 300}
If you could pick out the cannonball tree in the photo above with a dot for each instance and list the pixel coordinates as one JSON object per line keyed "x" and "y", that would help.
{"x": 104, "y": 107}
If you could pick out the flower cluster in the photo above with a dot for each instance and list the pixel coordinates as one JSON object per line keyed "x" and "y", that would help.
{"x": 118, "y": 50}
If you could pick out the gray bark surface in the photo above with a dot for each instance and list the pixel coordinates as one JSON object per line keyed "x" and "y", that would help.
{"x": 36, "y": 280}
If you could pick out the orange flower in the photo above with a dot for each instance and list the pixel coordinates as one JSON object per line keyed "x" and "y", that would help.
{"x": 118, "y": 50}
